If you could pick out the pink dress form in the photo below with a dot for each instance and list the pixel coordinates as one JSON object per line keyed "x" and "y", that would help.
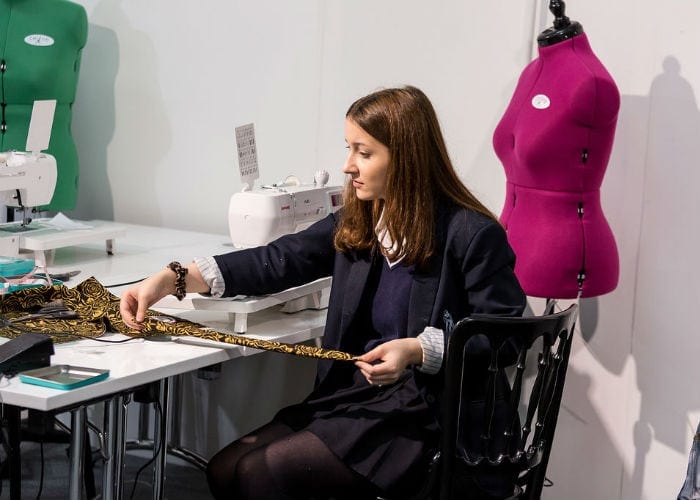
{"x": 554, "y": 142}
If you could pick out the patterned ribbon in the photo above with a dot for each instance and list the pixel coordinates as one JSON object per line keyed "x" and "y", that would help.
{"x": 98, "y": 313}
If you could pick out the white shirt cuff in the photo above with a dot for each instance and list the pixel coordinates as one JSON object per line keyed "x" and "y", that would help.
{"x": 432, "y": 341}
{"x": 212, "y": 275}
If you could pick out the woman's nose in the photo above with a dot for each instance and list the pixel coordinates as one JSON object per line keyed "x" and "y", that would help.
{"x": 349, "y": 166}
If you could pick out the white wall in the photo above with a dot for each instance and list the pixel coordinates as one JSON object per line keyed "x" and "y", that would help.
{"x": 164, "y": 83}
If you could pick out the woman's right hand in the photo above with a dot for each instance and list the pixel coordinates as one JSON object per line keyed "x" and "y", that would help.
{"x": 137, "y": 299}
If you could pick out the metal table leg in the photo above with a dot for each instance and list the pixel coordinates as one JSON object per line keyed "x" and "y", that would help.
{"x": 108, "y": 471}
{"x": 160, "y": 442}
{"x": 88, "y": 472}
{"x": 115, "y": 427}
{"x": 78, "y": 418}
{"x": 174, "y": 446}
{"x": 14, "y": 422}
{"x": 120, "y": 447}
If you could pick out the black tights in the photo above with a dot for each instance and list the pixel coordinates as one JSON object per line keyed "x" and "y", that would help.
{"x": 276, "y": 463}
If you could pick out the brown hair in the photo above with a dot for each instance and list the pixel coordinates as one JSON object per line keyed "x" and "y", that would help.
{"x": 420, "y": 172}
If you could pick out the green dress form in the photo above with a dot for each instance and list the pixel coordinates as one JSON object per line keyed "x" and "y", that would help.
{"x": 40, "y": 46}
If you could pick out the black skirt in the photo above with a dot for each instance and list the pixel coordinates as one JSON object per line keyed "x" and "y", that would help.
{"x": 387, "y": 434}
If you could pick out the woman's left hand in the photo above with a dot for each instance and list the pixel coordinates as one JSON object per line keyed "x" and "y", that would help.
{"x": 385, "y": 363}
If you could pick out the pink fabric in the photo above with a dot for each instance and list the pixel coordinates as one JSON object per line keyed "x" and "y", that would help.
{"x": 565, "y": 104}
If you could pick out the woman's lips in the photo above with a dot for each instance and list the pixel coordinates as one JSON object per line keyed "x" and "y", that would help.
{"x": 356, "y": 184}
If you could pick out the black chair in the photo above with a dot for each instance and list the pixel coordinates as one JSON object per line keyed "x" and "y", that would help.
{"x": 498, "y": 424}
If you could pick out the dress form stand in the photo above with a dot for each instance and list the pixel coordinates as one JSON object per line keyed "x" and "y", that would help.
{"x": 40, "y": 51}
{"x": 554, "y": 142}
{"x": 562, "y": 28}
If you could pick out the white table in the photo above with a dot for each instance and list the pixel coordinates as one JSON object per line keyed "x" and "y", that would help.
{"x": 141, "y": 252}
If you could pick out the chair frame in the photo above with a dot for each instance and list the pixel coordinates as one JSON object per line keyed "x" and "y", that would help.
{"x": 530, "y": 457}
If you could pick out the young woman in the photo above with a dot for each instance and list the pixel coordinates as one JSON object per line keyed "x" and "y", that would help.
{"x": 411, "y": 252}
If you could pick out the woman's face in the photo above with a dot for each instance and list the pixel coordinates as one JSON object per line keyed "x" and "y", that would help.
{"x": 367, "y": 162}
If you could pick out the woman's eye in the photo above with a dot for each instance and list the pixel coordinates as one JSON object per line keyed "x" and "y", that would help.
{"x": 364, "y": 154}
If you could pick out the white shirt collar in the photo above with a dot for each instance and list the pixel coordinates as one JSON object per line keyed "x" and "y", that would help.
{"x": 385, "y": 240}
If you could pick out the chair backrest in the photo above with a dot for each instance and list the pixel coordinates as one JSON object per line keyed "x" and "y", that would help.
{"x": 498, "y": 423}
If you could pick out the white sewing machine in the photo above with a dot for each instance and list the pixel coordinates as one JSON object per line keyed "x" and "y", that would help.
{"x": 28, "y": 180}
{"x": 257, "y": 217}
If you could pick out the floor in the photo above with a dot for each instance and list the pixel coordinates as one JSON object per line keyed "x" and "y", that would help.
{"x": 183, "y": 481}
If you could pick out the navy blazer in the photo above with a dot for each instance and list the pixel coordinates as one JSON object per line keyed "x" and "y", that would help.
{"x": 471, "y": 272}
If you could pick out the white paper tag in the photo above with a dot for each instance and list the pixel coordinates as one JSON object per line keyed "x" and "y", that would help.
{"x": 40, "y": 125}
{"x": 247, "y": 154}
{"x": 39, "y": 40}
{"x": 540, "y": 101}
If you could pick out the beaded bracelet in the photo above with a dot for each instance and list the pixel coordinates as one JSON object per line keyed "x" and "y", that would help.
{"x": 180, "y": 273}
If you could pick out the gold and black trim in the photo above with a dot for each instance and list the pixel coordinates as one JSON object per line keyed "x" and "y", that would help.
{"x": 98, "y": 313}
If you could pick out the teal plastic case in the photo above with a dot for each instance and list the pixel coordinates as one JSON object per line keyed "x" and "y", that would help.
{"x": 63, "y": 377}
{"x": 13, "y": 266}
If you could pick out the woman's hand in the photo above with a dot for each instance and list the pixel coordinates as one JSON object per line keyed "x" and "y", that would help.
{"x": 385, "y": 363}
{"x": 137, "y": 299}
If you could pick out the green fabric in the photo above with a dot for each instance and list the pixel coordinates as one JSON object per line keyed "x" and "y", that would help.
{"x": 43, "y": 72}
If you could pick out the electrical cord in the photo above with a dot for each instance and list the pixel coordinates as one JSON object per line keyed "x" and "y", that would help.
{"x": 51, "y": 310}
{"x": 97, "y": 339}
{"x": 54, "y": 310}
{"x": 4, "y": 443}
{"x": 125, "y": 283}
{"x": 41, "y": 473}
{"x": 159, "y": 410}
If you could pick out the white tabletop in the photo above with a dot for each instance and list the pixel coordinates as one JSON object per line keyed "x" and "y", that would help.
{"x": 141, "y": 252}
{"x": 46, "y": 237}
